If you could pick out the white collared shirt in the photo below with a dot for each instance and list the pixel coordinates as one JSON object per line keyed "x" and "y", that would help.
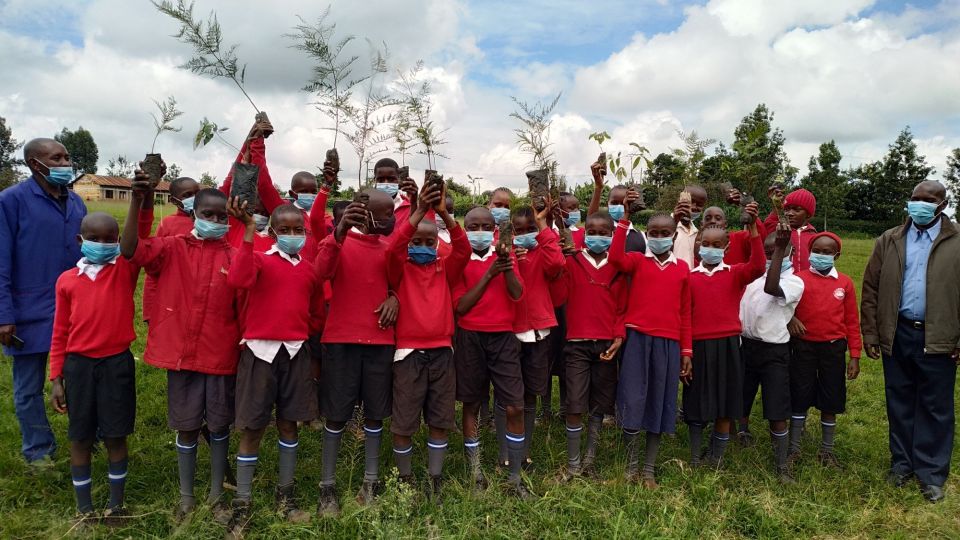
{"x": 764, "y": 317}
{"x": 485, "y": 256}
{"x": 598, "y": 265}
{"x": 685, "y": 242}
{"x": 443, "y": 235}
{"x": 91, "y": 270}
{"x": 718, "y": 268}
{"x": 832, "y": 273}
{"x": 533, "y": 336}
{"x": 267, "y": 349}
{"x": 672, "y": 259}
{"x": 292, "y": 259}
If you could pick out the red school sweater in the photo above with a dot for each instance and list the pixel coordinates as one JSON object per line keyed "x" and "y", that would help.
{"x": 828, "y": 309}
{"x": 540, "y": 267}
{"x": 495, "y": 311}
{"x": 195, "y": 324}
{"x": 596, "y": 299}
{"x": 357, "y": 270}
{"x": 739, "y": 250}
{"x": 715, "y": 310}
{"x": 93, "y": 318}
{"x": 659, "y": 302}
{"x": 172, "y": 225}
{"x": 425, "y": 320}
{"x": 284, "y": 302}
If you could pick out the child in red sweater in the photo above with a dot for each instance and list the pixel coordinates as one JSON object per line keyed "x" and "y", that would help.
{"x": 738, "y": 250}
{"x": 595, "y": 294}
{"x": 540, "y": 262}
{"x": 715, "y": 393}
{"x": 275, "y": 363}
{"x": 424, "y": 377}
{"x": 194, "y": 333}
{"x": 486, "y": 299}
{"x": 358, "y": 338}
{"x": 826, "y": 324}
{"x": 90, "y": 362}
{"x": 182, "y": 193}
{"x": 658, "y": 344}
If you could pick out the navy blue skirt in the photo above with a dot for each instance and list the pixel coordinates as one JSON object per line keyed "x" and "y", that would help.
{"x": 649, "y": 377}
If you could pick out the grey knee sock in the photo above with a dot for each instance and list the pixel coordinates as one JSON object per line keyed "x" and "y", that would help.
{"x": 403, "y": 458}
{"x": 573, "y": 447}
{"x": 187, "y": 469}
{"x": 796, "y": 430}
{"x": 500, "y": 422}
{"x": 117, "y": 473}
{"x": 371, "y": 447}
{"x": 471, "y": 448}
{"x": 529, "y": 423}
{"x": 594, "y": 424}
{"x": 246, "y": 466}
{"x": 653, "y": 445}
{"x": 219, "y": 447}
{"x": 331, "y": 447}
{"x": 286, "y": 462}
{"x": 719, "y": 444}
{"x": 696, "y": 441}
{"x": 436, "y": 452}
{"x": 633, "y": 452}
{"x": 781, "y": 447}
{"x": 82, "y": 484}
{"x": 515, "y": 446}
{"x": 828, "y": 429}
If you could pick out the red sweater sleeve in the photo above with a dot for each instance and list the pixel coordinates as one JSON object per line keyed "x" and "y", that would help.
{"x": 318, "y": 308}
{"x": 245, "y": 268}
{"x": 686, "y": 333}
{"x": 61, "y": 330}
{"x": 769, "y": 224}
{"x": 551, "y": 255}
{"x": 620, "y": 290}
{"x": 397, "y": 255}
{"x": 459, "y": 254}
{"x": 617, "y": 253}
{"x": 149, "y": 254}
{"x": 258, "y": 156}
{"x": 852, "y": 320}
{"x": 145, "y": 223}
{"x": 328, "y": 255}
{"x": 318, "y": 223}
{"x": 756, "y": 266}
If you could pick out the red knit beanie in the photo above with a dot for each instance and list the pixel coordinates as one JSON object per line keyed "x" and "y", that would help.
{"x": 828, "y": 234}
{"x": 802, "y": 198}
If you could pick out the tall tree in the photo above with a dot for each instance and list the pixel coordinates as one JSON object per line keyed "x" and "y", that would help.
{"x": 665, "y": 170}
{"x": 758, "y": 155}
{"x": 208, "y": 180}
{"x": 121, "y": 167}
{"x": 827, "y": 182}
{"x": 692, "y": 154}
{"x": 901, "y": 169}
{"x": 83, "y": 149}
{"x": 173, "y": 172}
{"x": 9, "y": 159}
{"x": 951, "y": 177}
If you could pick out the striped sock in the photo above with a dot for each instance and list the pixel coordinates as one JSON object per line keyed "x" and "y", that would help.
{"x": 719, "y": 441}
{"x": 574, "y": 434}
{"x": 246, "y": 466}
{"x": 471, "y": 448}
{"x": 187, "y": 469}
{"x": 827, "y": 429}
{"x": 117, "y": 473}
{"x": 331, "y": 448}
{"x": 436, "y": 453}
{"x": 515, "y": 453}
{"x": 371, "y": 447}
{"x": 797, "y": 420}
{"x": 81, "y": 487}
{"x": 781, "y": 447}
{"x": 286, "y": 462}
{"x": 403, "y": 457}
{"x": 219, "y": 447}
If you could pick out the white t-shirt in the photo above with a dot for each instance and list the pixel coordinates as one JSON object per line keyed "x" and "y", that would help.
{"x": 765, "y": 317}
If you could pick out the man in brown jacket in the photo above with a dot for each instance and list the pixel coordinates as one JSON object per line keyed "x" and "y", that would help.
{"x": 910, "y": 313}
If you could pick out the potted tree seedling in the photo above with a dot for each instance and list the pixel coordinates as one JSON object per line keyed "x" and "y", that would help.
{"x": 153, "y": 162}
{"x": 209, "y": 130}
{"x": 416, "y": 109}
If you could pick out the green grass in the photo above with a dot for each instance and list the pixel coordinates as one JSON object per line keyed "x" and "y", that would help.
{"x": 743, "y": 500}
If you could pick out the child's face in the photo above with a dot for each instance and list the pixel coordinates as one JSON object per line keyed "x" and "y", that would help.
{"x": 381, "y": 209}
{"x": 303, "y": 184}
{"x": 99, "y": 228}
{"x": 479, "y": 220}
{"x": 661, "y": 227}
{"x": 797, "y": 216}
{"x": 287, "y": 223}
{"x": 425, "y": 235}
{"x": 213, "y": 209}
{"x": 598, "y": 227}
{"x": 523, "y": 225}
{"x": 387, "y": 175}
{"x": 698, "y": 199}
{"x": 500, "y": 199}
{"x": 714, "y": 216}
{"x": 714, "y": 238}
{"x": 825, "y": 246}
{"x": 569, "y": 204}
{"x": 616, "y": 196}
{"x": 185, "y": 191}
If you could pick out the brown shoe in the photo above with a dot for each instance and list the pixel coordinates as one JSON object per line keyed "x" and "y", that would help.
{"x": 115, "y": 517}
{"x": 827, "y": 458}
{"x": 649, "y": 482}
{"x": 328, "y": 506}
{"x": 287, "y": 506}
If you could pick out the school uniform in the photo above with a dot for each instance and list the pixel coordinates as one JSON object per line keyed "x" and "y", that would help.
{"x": 284, "y": 307}
{"x": 765, "y": 344}
{"x": 173, "y": 225}
{"x": 358, "y": 354}
{"x": 799, "y": 239}
{"x": 716, "y": 390}
{"x": 656, "y": 338}
{"x": 194, "y": 330}
{"x": 685, "y": 244}
{"x": 738, "y": 250}
{"x": 90, "y": 348}
{"x": 828, "y": 311}
{"x": 424, "y": 376}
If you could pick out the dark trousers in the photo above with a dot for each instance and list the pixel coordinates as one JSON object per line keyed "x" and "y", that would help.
{"x": 29, "y": 375}
{"x": 919, "y": 391}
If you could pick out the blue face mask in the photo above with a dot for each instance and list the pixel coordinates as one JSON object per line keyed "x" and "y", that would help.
{"x": 572, "y": 218}
{"x": 922, "y": 212}
{"x": 422, "y": 254}
{"x": 99, "y": 253}
{"x": 389, "y": 189}
{"x": 785, "y": 264}
{"x": 820, "y": 262}
{"x": 694, "y": 216}
{"x": 261, "y": 222}
{"x": 480, "y": 240}
{"x": 659, "y": 246}
{"x": 500, "y": 214}
{"x": 208, "y": 230}
{"x": 615, "y": 211}
{"x": 291, "y": 244}
{"x": 711, "y": 255}
{"x": 305, "y": 200}
{"x": 597, "y": 244}
{"x": 526, "y": 241}
{"x": 187, "y": 204}
{"x": 60, "y": 176}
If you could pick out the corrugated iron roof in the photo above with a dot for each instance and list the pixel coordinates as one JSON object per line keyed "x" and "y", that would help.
{"x": 117, "y": 181}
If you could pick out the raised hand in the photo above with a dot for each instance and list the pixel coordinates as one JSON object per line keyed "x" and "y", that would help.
{"x": 238, "y": 210}
{"x": 355, "y": 215}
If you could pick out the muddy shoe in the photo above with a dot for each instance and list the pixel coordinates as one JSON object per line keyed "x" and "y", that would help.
{"x": 368, "y": 493}
{"x": 115, "y": 517}
{"x": 328, "y": 506}
{"x": 568, "y": 474}
{"x": 480, "y": 481}
{"x": 521, "y": 491}
{"x": 827, "y": 458}
{"x": 84, "y": 520}
{"x": 221, "y": 512}
{"x": 183, "y": 510}
{"x": 648, "y": 481}
{"x": 435, "y": 490}
{"x": 792, "y": 459}
{"x": 745, "y": 438}
{"x": 287, "y": 506}
{"x": 238, "y": 520}
{"x": 784, "y": 476}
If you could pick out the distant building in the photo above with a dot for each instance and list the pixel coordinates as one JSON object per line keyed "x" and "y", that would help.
{"x": 91, "y": 187}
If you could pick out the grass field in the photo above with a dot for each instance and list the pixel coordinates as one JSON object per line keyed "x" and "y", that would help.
{"x": 743, "y": 500}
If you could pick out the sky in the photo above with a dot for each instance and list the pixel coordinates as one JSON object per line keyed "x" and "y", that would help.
{"x": 854, "y": 71}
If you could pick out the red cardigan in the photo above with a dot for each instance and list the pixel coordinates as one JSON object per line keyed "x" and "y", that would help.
{"x": 659, "y": 302}
{"x": 596, "y": 299}
{"x": 495, "y": 311}
{"x": 173, "y": 225}
{"x": 828, "y": 309}
{"x": 93, "y": 318}
{"x": 541, "y": 266}
{"x": 715, "y": 311}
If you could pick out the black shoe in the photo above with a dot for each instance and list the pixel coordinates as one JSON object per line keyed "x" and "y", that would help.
{"x": 368, "y": 493}
{"x": 328, "y": 506}
{"x": 287, "y": 506}
{"x": 521, "y": 491}
{"x": 221, "y": 512}
{"x": 183, "y": 510}
{"x": 238, "y": 520}
{"x": 117, "y": 516}
{"x": 827, "y": 458}
{"x": 480, "y": 482}
{"x": 784, "y": 476}
{"x": 745, "y": 438}
{"x": 933, "y": 494}
{"x": 897, "y": 479}
{"x": 435, "y": 490}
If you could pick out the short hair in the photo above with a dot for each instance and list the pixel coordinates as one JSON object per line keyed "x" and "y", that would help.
{"x": 208, "y": 193}
{"x": 284, "y": 209}
{"x": 659, "y": 215}
{"x": 31, "y": 148}
{"x": 524, "y": 212}
{"x": 601, "y": 214}
{"x": 713, "y": 226}
{"x": 340, "y": 206}
{"x": 503, "y": 189}
{"x": 619, "y": 186}
{"x": 386, "y": 162}
{"x": 177, "y": 184}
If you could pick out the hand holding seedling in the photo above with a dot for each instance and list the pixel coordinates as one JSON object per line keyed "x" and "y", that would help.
{"x": 542, "y": 214}
{"x": 329, "y": 176}
{"x": 141, "y": 185}
{"x": 597, "y": 170}
{"x": 355, "y": 215}
{"x": 238, "y": 210}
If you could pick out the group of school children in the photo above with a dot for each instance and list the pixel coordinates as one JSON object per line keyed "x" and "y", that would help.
{"x": 283, "y": 314}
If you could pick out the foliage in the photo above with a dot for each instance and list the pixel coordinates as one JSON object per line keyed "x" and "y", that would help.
{"x": 173, "y": 172}
{"x": 533, "y": 135}
{"x": 758, "y": 156}
{"x": 208, "y": 180}
{"x": 891, "y": 181}
{"x": 665, "y": 170}
{"x": 209, "y": 130}
{"x": 456, "y": 188}
{"x": 600, "y": 137}
{"x": 82, "y": 148}
{"x": 827, "y": 182}
{"x": 120, "y": 167}
{"x": 211, "y": 58}
{"x": 951, "y": 177}
{"x": 9, "y": 177}
{"x": 9, "y": 147}
{"x": 416, "y": 106}
{"x": 168, "y": 113}
{"x": 692, "y": 155}
{"x": 365, "y": 138}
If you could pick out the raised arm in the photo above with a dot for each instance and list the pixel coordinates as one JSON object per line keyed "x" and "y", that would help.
{"x": 772, "y": 285}
{"x": 246, "y": 267}
{"x": 131, "y": 227}
{"x": 617, "y": 254}
{"x": 596, "y": 170}
{"x": 549, "y": 243}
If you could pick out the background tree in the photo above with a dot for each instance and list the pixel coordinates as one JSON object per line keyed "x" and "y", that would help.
{"x": 827, "y": 182}
{"x": 758, "y": 155}
{"x": 9, "y": 156}
{"x": 951, "y": 177}
{"x": 456, "y": 188}
{"x": 665, "y": 170}
{"x": 901, "y": 169}
{"x": 173, "y": 172}
{"x": 366, "y": 118}
{"x": 208, "y": 180}
{"x": 121, "y": 167}
{"x": 82, "y": 148}
{"x": 691, "y": 155}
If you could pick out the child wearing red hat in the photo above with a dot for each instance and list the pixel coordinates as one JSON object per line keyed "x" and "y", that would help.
{"x": 799, "y": 207}
{"x": 825, "y": 325}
